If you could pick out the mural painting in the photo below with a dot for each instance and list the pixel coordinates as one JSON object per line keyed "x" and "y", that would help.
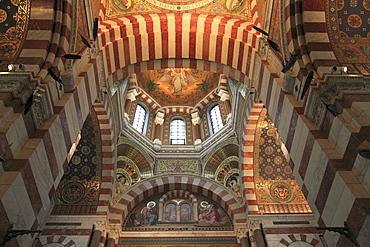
{"x": 230, "y": 8}
{"x": 177, "y": 86}
{"x": 191, "y": 212}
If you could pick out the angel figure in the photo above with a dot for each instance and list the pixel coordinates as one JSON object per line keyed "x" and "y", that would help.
{"x": 121, "y": 187}
{"x": 178, "y": 79}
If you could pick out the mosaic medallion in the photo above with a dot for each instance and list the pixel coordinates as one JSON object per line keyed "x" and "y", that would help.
{"x": 78, "y": 191}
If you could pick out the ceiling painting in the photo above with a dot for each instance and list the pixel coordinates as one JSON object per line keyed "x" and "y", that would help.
{"x": 177, "y": 87}
{"x": 277, "y": 190}
{"x": 230, "y": 8}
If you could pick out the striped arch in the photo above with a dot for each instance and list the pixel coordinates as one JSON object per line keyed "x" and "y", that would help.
{"x": 131, "y": 40}
{"x": 179, "y": 193}
{"x": 306, "y": 32}
{"x": 298, "y": 237}
{"x": 194, "y": 184}
{"x": 108, "y": 156}
{"x": 248, "y": 161}
{"x": 63, "y": 240}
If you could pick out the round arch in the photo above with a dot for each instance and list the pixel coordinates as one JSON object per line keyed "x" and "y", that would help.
{"x": 192, "y": 183}
{"x": 132, "y": 40}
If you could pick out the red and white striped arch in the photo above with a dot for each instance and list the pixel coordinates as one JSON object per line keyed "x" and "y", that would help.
{"x": 248, "y": 159}
{"x": 177, "y": 193}
{"x": 105, "y": 118}
{"x": 131, "y": 40}
{"x": 193, "y": 184}
{"x": 306, "y": 31}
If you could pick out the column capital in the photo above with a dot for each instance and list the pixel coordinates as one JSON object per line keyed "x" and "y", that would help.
{"x": 131, "y": 94}
{"x": 224, "y": 95}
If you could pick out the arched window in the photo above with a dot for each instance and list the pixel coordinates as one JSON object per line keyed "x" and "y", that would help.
{"x": 140, "y": 119}
{"x": 177, "y": 131}
{"x": 214, "y": 117}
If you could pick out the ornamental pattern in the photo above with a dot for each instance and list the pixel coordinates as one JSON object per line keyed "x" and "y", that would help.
{"x": 14, "y": 17}
{"x": 78, "y": 191}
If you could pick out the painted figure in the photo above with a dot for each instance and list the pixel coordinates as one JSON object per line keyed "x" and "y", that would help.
{"x": 210, "y": 213}
{"x": 178, "y": 79}
{"x": 148, "y": 214}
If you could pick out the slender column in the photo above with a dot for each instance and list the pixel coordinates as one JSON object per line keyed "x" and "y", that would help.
{"x": 131, "y": 97}
{"x": 159, "y": 120}
{"x": 95, "y": 239}
{"x": 258, "y": 235}
{"x": 225, "y": 97}
{"x": 110, "y": 242}
{"x": 178, "y": 213}
{"x": 244, "y": 242}
{"x": 196, "y": 122}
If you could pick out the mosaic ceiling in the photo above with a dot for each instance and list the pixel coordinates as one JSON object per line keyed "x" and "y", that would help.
{"x": 78, "y": 191}
{"x": 276, "y": 188}
{"x": 231, "y": 8}
{"x": 14, "y": 17}
{"x": 349, "y": 31}
{"x": 177, "y": 87}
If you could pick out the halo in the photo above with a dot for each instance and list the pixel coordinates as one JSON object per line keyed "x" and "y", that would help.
{"x": 150, "y": 203}
{"x": 203, "y": 204}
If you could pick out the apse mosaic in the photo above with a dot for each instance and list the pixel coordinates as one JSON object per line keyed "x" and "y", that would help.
{"x": 175, "y": 86}
{"x": 14, "y": 17}
{"x": 178, "y": 211}
{"x": 231, "y": 8}
{"x": 276, "y": 188}
{"x": 177, "y": 165}
{"x": 78, "y": 191}
{"x": 349, "y": 30}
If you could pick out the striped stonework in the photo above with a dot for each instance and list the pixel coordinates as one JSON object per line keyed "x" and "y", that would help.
{"x": 135, "y": 39}
{"x": 108, "y": 157}
{"x": 248, "y": 159}
{"x": 57, "y": 239}
{"x": 306, "y": 33}
{"x": 291, "y": 238}
{"x": 194, "y": 184}
{"x": 325, "y": 162}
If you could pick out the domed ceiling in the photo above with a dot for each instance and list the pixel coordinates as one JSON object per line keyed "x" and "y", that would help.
{"x": 177, "y": 86}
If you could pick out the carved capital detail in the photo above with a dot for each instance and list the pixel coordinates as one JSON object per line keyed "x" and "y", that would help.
{"x": 329, "y": 91}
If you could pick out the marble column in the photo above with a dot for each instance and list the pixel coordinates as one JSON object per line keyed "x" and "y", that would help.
{"x": 260, "y": 239}
{"x": 130, "y": 97}
{"x": 95, "y": 239}
{"x": 225, "y": 97}
{"x": 245, "y": 242}
{"x": 196, "y": 122}
{"x": 110, "y": 242}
